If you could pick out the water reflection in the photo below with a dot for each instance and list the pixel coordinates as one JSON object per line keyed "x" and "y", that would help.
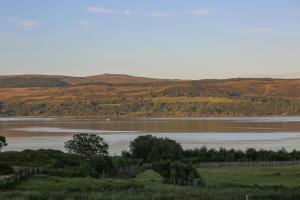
{"x": 237, "y": 132}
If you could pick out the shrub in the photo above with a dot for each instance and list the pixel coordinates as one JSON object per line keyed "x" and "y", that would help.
{"x": 103, "y": 165}
{"x": 178, "y": 173}
{"x": 6, "y": 169}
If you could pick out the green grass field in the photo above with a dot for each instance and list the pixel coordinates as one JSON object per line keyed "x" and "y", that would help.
{"x": 287, "y": 176}
{"x": 266, "y": 183}
{"x": 76, "y": 184}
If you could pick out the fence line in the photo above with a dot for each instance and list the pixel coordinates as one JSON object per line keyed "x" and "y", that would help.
{"x": 248, "y": 164}
{"x": 12, "y": 180}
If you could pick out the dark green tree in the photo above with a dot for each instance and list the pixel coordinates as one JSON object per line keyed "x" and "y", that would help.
{"x": 150, "y": 148}
{"x": 87, "y": 145}
{"x": 141, "y": 147}
{"x": 164, "y": 148}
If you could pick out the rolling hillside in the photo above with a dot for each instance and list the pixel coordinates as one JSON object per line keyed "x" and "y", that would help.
{"x": 124, "y": 95}
{"x": 21, "y": 81}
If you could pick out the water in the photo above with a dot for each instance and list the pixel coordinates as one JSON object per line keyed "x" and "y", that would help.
{"x": 229, "y": 132}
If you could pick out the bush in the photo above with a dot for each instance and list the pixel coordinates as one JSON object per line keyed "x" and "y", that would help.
{"x": 178, "y": 173}
{"x": 41, "y": 158}
{"x": 103, "y": 165}
{"x": 87, "y": 170}
{"x": 6, "y": 169}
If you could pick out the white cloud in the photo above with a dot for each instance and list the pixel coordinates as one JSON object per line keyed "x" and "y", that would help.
{"x": 159, "y": 14}
{"x": 200, "y": 12}
{"x": 97, "y": 9}
{"x": 84, "y": 25}
{"x": 26, "y": 24}
{"x": 127, "y": 12}
{"x": 29, "y": 24}
{"x": 258, "y": 30}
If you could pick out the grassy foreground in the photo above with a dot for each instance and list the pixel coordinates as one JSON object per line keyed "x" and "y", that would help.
{"x": 222, "y": 183}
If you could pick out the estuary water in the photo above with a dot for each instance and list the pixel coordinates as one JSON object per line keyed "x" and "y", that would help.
{"x": 228, "y": 132}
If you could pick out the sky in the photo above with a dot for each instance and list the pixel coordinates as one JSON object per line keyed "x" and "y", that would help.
{"x": 188, "y": 39}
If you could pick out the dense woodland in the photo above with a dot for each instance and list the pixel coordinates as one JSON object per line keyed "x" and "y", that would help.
{"x": 121, "y": 95}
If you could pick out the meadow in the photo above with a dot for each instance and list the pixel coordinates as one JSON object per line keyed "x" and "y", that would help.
{"x": 222, "y": 183}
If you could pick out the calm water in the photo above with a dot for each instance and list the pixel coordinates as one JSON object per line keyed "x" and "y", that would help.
{"x": 229, "y": 132}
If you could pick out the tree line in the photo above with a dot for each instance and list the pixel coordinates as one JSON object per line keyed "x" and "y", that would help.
{"x": 121, "y": 106}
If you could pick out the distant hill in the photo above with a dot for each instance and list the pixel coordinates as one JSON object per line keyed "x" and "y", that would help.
{"x": 61, "y": 81}
{"x": 32, "y": 81}
{"x": 121, "y": 78}
{"x": 125, "y": 95}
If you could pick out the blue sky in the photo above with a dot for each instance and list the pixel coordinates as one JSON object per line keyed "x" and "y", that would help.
{"x": 191, "y": 39}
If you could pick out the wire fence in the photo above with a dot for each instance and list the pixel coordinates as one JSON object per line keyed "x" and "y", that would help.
{"x": 248, "y": 164}
{"x": 10, "y": 181}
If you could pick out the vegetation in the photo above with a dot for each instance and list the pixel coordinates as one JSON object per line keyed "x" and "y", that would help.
{"x": 232, "y": 155}
{"x": 178, "y": 173}
{"x": 283, "y": 176}
{"x": 147, "y": 186}
{"x": 11, "y": 82}
{"x": 150, "y": 148}
{"x": 2, "y": 142}
{"x": 87, "y": 145}
{"x": 125, "y": 96}
{"x": 6, "y": 169}
{"x": 148, "y": 171}
{"x": 57, "y": 163}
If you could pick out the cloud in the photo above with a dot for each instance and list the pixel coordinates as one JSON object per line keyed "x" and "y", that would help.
{"x": 127, "y": 12}
{"x": 200, "y": 12}
{"x": 26, "y": 24}
{"x": 258, "y": 30}
{"x": 29, "y": 24}
{"x": 97, "y": 9}
{"x": 84, "y": 25}
{"x": 159, "y": 14}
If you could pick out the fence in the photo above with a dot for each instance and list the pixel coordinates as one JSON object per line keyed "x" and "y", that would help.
{"x": 12, "y": 180}
{"x": 248, "y": 164}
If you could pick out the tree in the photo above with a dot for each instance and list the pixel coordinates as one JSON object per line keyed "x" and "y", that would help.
{"x": 87, "y": 145}
{"x": 164, "y": 148}
{"x": 150, "y": 148}
{"x": 141, "y": 147}
{"x": 2, "y": 142}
